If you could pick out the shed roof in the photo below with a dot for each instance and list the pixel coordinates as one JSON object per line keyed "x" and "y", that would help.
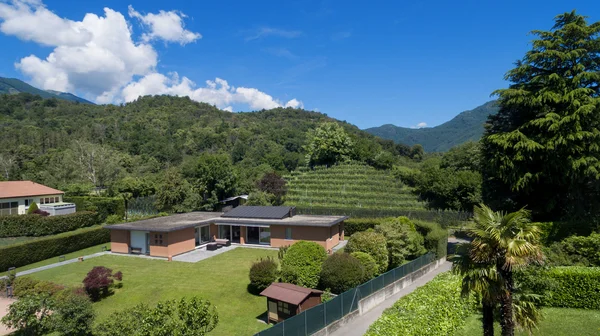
{"x": 14, "y": 189}
{"x": 169, "y": 223}
{"x": 289, "y": 293}
{"x": 262, "y": 212}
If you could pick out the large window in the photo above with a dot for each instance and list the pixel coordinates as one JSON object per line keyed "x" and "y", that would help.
{"x": 265, "y": 236}
{"x": 202, "y": 235}
{"x": 9, "y": 208}
{"x": 225, "y": 232}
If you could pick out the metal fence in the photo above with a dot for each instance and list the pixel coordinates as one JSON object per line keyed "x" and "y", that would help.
{"x": 316, "y": 318}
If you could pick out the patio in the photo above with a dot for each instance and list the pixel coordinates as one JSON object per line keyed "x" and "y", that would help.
{"x": 202, "y": 253}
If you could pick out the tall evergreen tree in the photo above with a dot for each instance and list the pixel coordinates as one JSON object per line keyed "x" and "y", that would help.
{"x": 543, "y": 147}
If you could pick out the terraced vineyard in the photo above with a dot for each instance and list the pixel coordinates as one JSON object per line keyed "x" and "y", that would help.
{"x": 349, "y": 187}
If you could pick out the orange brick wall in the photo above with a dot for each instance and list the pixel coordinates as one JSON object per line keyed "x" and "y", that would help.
{"x": 316, "y": 234}
{"x": 214, "y": 231}
{"x": 243, "y": 235}
{"x": 119, "y": 241}
{"x": 181, "y": 241}
{"x": 158, "y": 250}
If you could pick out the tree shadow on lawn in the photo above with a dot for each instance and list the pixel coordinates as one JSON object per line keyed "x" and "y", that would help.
{"x": 253, "y": 290}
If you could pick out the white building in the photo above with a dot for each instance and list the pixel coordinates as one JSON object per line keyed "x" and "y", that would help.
{"x": 17, "y": 196}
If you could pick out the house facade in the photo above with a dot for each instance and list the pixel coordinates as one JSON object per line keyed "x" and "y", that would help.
{"x": 17, "y": 196}
{"x": 245, "y": 225}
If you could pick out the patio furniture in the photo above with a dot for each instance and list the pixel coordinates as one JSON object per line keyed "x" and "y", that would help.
{"x": 212, "y": 246}
{"x": 223, "y": 242}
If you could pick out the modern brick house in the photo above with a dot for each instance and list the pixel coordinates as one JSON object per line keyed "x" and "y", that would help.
{"x": 245, "y": 225}
{"x": 17, "y": 196}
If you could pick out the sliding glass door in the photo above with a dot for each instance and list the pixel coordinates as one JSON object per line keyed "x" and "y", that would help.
{"x": 202, "y": 235}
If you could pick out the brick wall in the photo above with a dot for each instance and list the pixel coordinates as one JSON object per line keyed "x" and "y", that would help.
{"x": 181, "y": 241}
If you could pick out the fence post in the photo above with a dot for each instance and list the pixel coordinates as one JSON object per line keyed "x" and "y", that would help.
{"x": 305, "y": 325}
{"x": 342, "y": 299}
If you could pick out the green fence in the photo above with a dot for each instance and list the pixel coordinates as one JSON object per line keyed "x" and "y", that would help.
{"x": 316, "y": 318}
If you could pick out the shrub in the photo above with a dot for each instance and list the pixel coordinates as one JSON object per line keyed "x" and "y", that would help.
{"x": 114, "y": 219}
{"x": 36, "y": 225}
{"x": 436, "y": 308}
{"x": 32, "y": 208}
{"x": 302, "y": 263}
{"x": 282, "y": 251}
{"x": 26, "y": 253}
{"x": 341, "y": 272}
{"x": 72, "y": 313}
{"x": 584, "y": 247}
{"x": 23, "y": 286}
{"x": 436, "y": 237}
{"x": 353, "y": 225}
{"x": 407, "y": 175}
{"x": 98, "y": 282}
{"x": 30, "y": 315}
{"x": 104, "y": 206}
{"x": 263, "y": 273}
{"x": 403, "y": 241}
{"x": 371, "y": 243}
{"x": 369, "y": 265}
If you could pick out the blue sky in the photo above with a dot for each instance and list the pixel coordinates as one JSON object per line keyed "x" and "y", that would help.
{"x": 369, "y": 63}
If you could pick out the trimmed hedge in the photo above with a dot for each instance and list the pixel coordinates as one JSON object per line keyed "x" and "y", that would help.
{"x": 36, "y": 225}
{"x": 104, "y": 206}
{"x": 572, "y": 287}
{"x": 302, "y": 262}
{"x": 436, "y": 308}
{"x": 353, "y": 225}
{"x": 37, "y": 250}
{"x": 263, "y": 273}
{"x": 341, "y": 272}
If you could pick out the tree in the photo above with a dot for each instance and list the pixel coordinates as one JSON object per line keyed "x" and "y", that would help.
{"x": 369, "y": 265}
{"x": 186, "y": 317}
{"x": 263, "y": 273}
{"x": 259, "y": 198}
{"x": 371, "y": 243}
{"x": 7, "y": 164}
{"x": 213, "y": 177}
{"x": 403, "y": 241}
{"x": 341, "y": 272}
{"x": 99, "y": 164}
{"x": 172, "y": 192}
{"x": 463, "y": 157}
{"x": 275, "y": 185}
{"x": 98, "y": 281}
{"x": 506, "y": 242}
{"x": 541, "y": 149}
{"x": 33, "y": 207}
{"x": 328, "y": 144}
{"x": 72, "y": 313}
{"x": 302, "y": 262}
{"x": 29, "y": 315}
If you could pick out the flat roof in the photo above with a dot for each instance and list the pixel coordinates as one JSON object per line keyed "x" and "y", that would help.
{"x": 168, "y": 223}
{"x": 191, "y": 219}
{"x": 259, "y": 212}
{"x": 15, "y": 189}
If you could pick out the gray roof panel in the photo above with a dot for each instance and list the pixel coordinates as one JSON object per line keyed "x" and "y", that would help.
{"x": 259, "y": 212}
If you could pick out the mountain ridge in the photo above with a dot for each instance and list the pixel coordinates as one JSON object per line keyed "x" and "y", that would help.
{"x": 466, "y": 126}
{"x": 15, "y": 85}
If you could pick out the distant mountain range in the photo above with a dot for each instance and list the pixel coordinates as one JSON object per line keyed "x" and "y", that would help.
{"x": 466, "y": 126}
{"x": 13, "y": 85}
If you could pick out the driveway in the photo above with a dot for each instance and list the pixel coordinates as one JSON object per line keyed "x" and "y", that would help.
{"x": 4, "y": 303}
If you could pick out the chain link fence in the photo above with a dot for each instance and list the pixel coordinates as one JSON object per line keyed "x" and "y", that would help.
{"x": 316, "y": 318}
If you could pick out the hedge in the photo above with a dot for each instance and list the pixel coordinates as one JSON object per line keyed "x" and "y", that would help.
{"x": 353, "y": 225}
{"x": 302, "y": 262}
{"x": 104, "y": 206}
{"x": 26, "y": 253}
{"x": 573, "y": 287}
{"x": 36, "y": 225}
{"x": 373, "y": 244}
{"x": 436, "y": 308}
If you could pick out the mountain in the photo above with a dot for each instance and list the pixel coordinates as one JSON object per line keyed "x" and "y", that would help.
{"x": 13, "y": 85}
{"x": 466, "y": 126}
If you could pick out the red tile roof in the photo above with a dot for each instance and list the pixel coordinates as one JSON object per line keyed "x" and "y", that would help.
{"x": 288, "y": 292}
{"x": 13, "y": 189}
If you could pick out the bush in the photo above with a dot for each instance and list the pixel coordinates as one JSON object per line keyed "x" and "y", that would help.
{"x": 341, "y": 272}
{"x": 114, "y": 219}
{"x": 32, "y": 208}
{"x": 403, "y": 241}
{"x": 36, "y": 225}
{"x": 353, "y": 225}
{"x": 568, "y": 287}
{"x": 104, "y": 206}
{"x": 263, "y": 273}
{"x": 436, "y": 237}
{"x": 587, "y": 248}
{"x": 368, "y": 263}
{"x": 371, "y": 243}
{"x": 72, "y": 313}
{"x": 23, "y": 286}
{"x": 99, "y": 281}
{"x": 30, "y": 315}
{"x": 302, "y": 264}
{"x": 26, "y": 253}
{"x": 436, "y": 308}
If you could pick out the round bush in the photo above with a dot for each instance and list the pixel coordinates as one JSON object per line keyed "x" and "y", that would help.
{"x": 301, "y": 264}
{"x": 341, "y": 272}
{"x": 263, "y": 273}
{"x": 368, "y": 263}
{"x": 371, "y": 243}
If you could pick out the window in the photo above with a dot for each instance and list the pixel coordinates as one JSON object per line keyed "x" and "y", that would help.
{"x": 265, "y": 236}
{"x": 283, "y": 307}
{"x": 47, "y": 200}
{"x": 9, "y": 208}
{"x": 28, "y": 202}
{"x": 288, "y": 233}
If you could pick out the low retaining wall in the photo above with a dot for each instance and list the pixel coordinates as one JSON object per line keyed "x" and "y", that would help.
{"x": 373, "y": 300}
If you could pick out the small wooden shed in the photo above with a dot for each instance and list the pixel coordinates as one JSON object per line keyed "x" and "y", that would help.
{"x": 285, "y": 300}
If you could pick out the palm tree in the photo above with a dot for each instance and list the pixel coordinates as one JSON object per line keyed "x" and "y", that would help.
{"x": 504, "y": 242}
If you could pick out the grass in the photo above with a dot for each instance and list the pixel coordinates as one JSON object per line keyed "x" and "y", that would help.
{"x": 15, "y": 240}
{"x": 222, "y": 279}
{"x": 556, "y": 322}
{"x": 72, "y": 255}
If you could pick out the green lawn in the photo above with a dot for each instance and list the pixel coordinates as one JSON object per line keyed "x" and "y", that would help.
{"x": 222, "y": 279}
{"x": 72, "y": 255}
{"x": 557, "y": 322}
{"x": 14, "y": 240}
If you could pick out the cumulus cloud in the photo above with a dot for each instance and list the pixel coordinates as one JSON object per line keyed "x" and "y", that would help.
{"x": 168, "y": 26}
{"x": 420, "y": 125}
{"x": 217, "y": 92}
{"x": 99, "y": 56}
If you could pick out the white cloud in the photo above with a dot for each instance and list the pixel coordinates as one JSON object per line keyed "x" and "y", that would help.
{"x": 268, "y": 31}
{"x": 97, "y": 56}
{"x": 217, "y": 92}
{"x": 420, "y": 125}
{"x": 168, "y": 26}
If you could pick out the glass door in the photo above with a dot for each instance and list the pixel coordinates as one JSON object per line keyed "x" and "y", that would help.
{"x": 235, "y": 234}
{"x": 265, "y": 236}
{"x": 225, "y": 232}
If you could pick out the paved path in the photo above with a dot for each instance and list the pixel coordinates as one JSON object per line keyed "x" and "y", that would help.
{"x": 359, "y": 325}
{"x": 66, "y": 262}
{"x": 4, "y": 303}
{"x": 340, "y": 245}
